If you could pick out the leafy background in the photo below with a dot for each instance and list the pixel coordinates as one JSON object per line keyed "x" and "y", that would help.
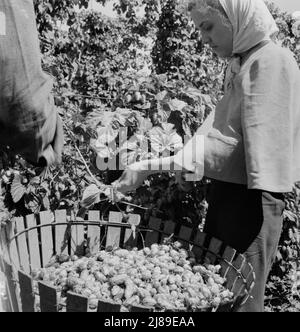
{"x": 146, "y": 77}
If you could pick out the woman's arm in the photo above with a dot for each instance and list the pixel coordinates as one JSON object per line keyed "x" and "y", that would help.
{"x": 135, "y": 174}
{"x": 270, "y": 121}
{"x": 189, "y": 160}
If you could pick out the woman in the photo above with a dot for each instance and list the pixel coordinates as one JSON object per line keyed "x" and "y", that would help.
{"x": 250, "y": 147}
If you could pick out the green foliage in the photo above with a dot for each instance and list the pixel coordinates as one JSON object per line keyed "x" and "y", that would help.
{"x": 283, "y": 289}
{"x": 286, "y": 36}
{"x": 180, "y": 53}
{"x": 144, "y": 26}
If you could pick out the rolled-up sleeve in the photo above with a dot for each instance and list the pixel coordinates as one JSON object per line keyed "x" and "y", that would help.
{"x": 28, "y": 116}
{"x": 191, "y": 156}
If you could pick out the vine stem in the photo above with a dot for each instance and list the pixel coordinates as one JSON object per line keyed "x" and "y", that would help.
{"x": 134, "y": 205}
{"x": 87, "y": 168}
{"x": 82, "y": 158}
{"x": 55, "y": 176}
{"x": 98, "y": 183}
{"x": 85, "y": 96}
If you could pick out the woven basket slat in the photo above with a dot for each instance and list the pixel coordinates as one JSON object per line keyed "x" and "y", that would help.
{"x": 199, "y": 242}
{"x": 26, "y": 292}
{"x": 228, "y": 257}
{"x": 213, "y": 250}
{"x": 239, "y": 283}
{"x": 46, "y": 237}
{"x": 76, "y": 303}
{"x": 185, "y": 234}
{"x": 153, "y": 237}
{"x": 13, "y": 288}
{"x": 33, "y": 242}
{"x": 48, "y": 298}
{"x": 113, "y": 233}
{"x": 61, "y": 233}
{"x": 77, "y": 240}
{"x": 169, "y": 229}
{"x": 130, "y": 236}
{"x": 22, "y": 245}
{"x": 104, "y": 306}
{"x": 94, "y": 233}
{"x": 3, "y": 243}
{"x": 140, "y": 309}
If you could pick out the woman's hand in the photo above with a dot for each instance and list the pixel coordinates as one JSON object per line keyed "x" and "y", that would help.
{"x": 182, "y": 181}
{"x": 132, "y": 178}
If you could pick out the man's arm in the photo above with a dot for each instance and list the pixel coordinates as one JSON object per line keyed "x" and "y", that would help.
{"x": 29, "y": 122}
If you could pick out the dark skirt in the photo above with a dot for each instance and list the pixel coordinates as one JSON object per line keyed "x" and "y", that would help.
{"x": 249, "y": 221}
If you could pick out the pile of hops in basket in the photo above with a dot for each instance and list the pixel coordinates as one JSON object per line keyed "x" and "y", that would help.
{"x": 162, "y": 277}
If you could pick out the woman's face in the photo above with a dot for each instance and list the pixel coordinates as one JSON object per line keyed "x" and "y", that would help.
{"x": 215, "y": 31}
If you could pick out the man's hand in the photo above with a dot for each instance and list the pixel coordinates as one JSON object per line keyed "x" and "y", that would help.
{"x": 58, "y": 142}
{"x": 52, "y": 154}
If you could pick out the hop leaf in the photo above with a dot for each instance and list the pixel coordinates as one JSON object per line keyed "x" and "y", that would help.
{"x": 133, "y": 149}
{"x": 296, "y": 29}
{"x": 104, "y": 145}
{"x": 32, "y": 203}
{"x": 91, "y": 196}
{"x": 35, "y": 181}
{"x": 17, "y": 188}
{"x": 46, "y": 202}
{"x": 165, "y": 139}
{"x": 100, "y": 117}
{"x": 176, "y": 105}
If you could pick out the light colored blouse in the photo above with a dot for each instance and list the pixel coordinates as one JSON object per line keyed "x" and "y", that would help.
{"x": 253, "y": 138}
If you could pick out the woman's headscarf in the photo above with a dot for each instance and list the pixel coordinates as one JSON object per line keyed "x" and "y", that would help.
{"x": 252, "y": 24}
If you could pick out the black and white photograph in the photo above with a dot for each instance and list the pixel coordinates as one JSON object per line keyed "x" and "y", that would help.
{"x": 149, "y": 159}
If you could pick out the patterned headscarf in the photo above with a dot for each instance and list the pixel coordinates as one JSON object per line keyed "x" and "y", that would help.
{"x": 252, "y": 24}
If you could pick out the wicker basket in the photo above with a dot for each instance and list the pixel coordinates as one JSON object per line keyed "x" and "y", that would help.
{"x": 29, "y": 243}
